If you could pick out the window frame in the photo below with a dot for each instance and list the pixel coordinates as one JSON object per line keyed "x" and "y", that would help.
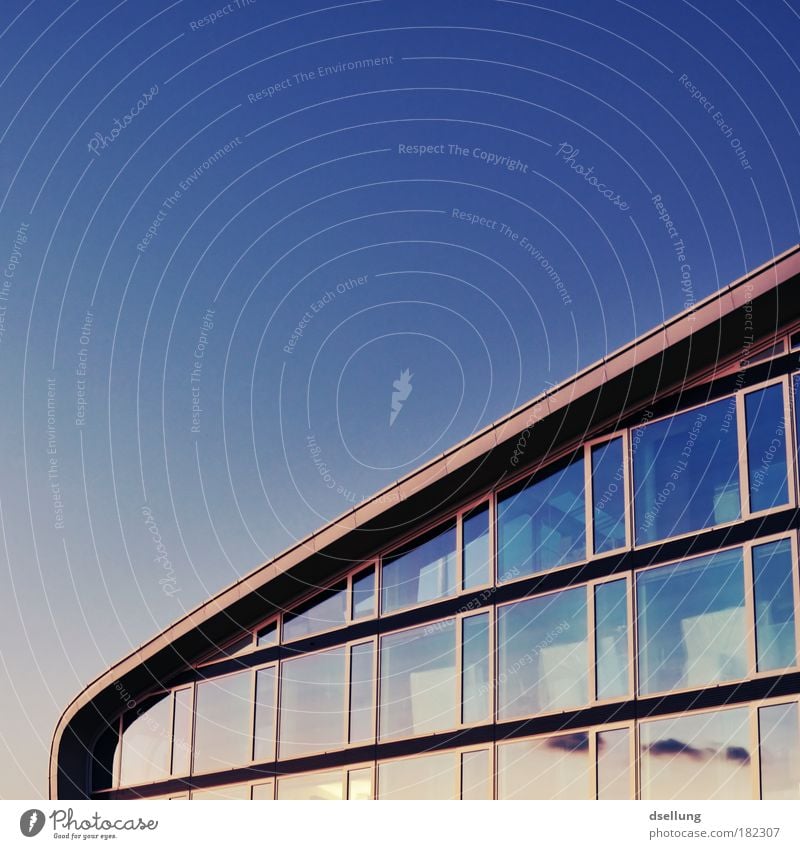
{"x": 749, "y": 612}
{"x": 591, "y": 731}
{"x": 789, "y": 455}
{"x": 458, "y": 633}
{"x": 627, "y": 473}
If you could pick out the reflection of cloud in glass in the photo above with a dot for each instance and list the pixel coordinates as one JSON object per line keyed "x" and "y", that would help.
{"x": 671, "y": 746}
{"x": 578, "y": 742}
{"x": 737, "y": 753}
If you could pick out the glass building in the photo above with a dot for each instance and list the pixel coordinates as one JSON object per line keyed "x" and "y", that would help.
{"x": 594, "y": 598}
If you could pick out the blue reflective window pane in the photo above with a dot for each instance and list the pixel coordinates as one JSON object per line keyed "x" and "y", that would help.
{"x": 313, "y": 704}
{"x": 608, "y": 496}
{"x": 321, "y": 613}
{"x": 362, "y": 694}
{"x": 686, "y": 472}
{"x": 543, "y": 662}
{"x": 697, "y": 756}
{"x": 542, "y": 526}
{"x": 264, "y": 742}
{"x": 476, "y": 691}
{"x": 364, "y": 594}
{"x": 766, "y": 448}
{"x": 476, "y": 549}
{"x": 779, "y": 746}
{"x": 611, "y": 640}
{"x": 691, "y": 623}
{"x": 425, "y": 572}
{"x": 773, "y": 589}
{"x": 223, "y": 731}
{"x": 418, "y": 681}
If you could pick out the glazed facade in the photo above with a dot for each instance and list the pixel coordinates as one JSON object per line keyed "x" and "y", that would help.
{"x": 568, "y": 616}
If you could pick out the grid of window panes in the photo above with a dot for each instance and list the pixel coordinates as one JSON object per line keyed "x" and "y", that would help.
{"x": 749, "y": 751}
{"x": 722, "y": 617}
{"x": 664, "y": 478}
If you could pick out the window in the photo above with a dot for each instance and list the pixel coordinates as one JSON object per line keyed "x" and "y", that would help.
{"x": 475, "y": 687}
{"x": 773, "y": 591}
{"x": 264, "y": 733}
{"x": 779, "y": 744}
{"x": 265, "y": 790}
{"x": 222, "y": 735}
{"x": 545, "y": 768}
{"x": 359, "y": 784}
{"x": 268, "y": 635}
{"x": 232, "y": 791}
{"x": 362, "y": 694}
{"x": 418, "y": 681}
{"x": 364, "y": 594}
{"x": 476, "y": 775}
{"x": 543, "y": 525}
{"x": 312, "y": 704}
{"x": 611, "y": 639}
{"x": 182, "y": 732}
{"x": 428, "y": 777}
{"x": 324, "y": 611}
{"x": 146, "y": 741}
{"x": 614, "y": 768}
{"x": 319, "y": 786}
{"x": 424, "y": 572}
{"x": 686, "y": 472}
{"x": 476, "y": 548}
{"x": 691, "y": 623}
{"x": 766, "y": 448}
{"x": 543, "y": 656}
{"x": 697, "y": 756}
{"x": 608, "y": 496}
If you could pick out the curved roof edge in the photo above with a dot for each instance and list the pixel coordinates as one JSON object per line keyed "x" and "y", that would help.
{"x": 705, "y": 314}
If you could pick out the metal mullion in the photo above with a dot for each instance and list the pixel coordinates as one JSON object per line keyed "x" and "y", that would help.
{"x": 593, "y": 764}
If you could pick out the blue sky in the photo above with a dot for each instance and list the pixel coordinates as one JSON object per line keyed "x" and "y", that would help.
{"x": 227, "y": 238}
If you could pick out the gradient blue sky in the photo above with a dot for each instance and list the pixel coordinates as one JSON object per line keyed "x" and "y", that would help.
{"x": 656, "y": 98}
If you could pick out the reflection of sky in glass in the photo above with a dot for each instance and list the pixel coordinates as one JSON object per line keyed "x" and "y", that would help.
{"x": 544, "y": 525}
{"x": 686, "y": 472}
{"x": 766, "y": 448}
{"x": 691, "y": 623}
{"x": 418, "y": 681}
{"x": 312, "y": 703}
{"x": 222, "y": 734}
{"x": 546, "y": 768}
{"x": 608, "y": 496}
{"x": 428, "y": 777}
{"x": 701, "y": 756}
{"x": 317, "y": 786}
{"x": 476, "y": 549}
{"x": 542, "y": 654}
{"x": 424, "y": 573}
{"x": 614, "y": 764}
{"x": 773, "y": 593}
{"x": 779, "y": 743}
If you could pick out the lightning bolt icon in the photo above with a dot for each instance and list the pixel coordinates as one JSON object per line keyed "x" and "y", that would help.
{"x": 33, "y": 820}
